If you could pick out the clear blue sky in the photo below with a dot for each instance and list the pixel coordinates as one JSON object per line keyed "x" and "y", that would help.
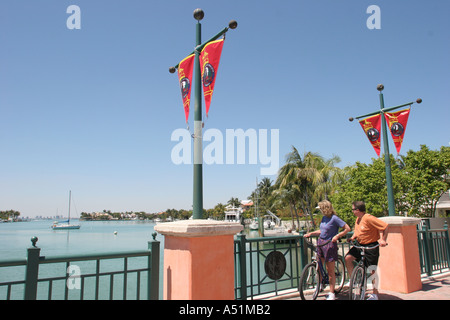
{"x": 93, "y": 110}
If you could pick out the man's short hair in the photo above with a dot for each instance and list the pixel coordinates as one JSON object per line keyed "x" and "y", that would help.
{"x": 360, "y": 205}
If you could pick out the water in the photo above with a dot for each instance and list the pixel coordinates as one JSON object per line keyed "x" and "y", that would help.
{"x": 94, "y": 237}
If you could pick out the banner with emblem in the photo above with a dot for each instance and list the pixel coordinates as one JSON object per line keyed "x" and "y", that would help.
{"x": 185, "y": 71}
{"x": 396, "y": 122}
{"x": 371, "y": 127}
{"x": 209, "y": 61}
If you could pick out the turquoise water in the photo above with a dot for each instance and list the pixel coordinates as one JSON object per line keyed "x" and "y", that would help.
{"x": 94, "y": 237}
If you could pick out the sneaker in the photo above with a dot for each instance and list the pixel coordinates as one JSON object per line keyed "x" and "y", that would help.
{"x": 372, "y": 297}
{"x": 331, "y": 296}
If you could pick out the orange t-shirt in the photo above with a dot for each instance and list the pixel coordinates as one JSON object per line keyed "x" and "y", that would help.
{"x": 367, "y": 230}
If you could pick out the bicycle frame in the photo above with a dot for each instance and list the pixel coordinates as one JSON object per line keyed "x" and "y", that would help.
{"x": 322, "y": 270}
{"x": 360, "y": 265}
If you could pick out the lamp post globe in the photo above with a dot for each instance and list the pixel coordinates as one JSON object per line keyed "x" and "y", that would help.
{"x": 232, "y": 24}
{"x": 198, "y": 14}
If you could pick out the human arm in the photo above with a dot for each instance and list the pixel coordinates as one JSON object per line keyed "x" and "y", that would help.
{"x": 312, "y": 234}
{"x": 383, "y": 237}
{"x": 342, "y": 233}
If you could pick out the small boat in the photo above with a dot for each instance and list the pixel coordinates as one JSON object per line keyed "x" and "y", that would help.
{"x": 65, "y": 225}
{"x": 254, "y": 225}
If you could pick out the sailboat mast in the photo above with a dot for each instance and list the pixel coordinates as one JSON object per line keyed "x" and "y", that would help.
{"x": 70, "y": 195}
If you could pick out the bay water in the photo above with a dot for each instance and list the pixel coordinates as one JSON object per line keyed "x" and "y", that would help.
{"x": 94, "y": 237}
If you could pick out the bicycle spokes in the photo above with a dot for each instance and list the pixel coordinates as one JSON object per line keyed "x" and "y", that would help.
{"x": 357, "y": 284}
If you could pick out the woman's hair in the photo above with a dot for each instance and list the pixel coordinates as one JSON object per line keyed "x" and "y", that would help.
{"x": 327, "y": 208}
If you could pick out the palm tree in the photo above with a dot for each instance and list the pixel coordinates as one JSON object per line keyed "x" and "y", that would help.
{"x": 294, "y": 177}
{"x": 235, "y": 202}
{"x": 286, "y": 196}
{"x": 330, "y": 176}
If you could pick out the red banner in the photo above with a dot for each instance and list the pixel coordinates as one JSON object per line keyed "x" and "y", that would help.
{"x": 397, "y": 125}
{"x": 209, "y": 61}
{"x": 185, "y": 68}
{"x": 371, "y": 127}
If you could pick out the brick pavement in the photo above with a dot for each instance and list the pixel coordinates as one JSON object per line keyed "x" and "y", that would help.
{"x": 433, "y": 288}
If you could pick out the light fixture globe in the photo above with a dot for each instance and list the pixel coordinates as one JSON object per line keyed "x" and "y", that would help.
{"x": 232, "y": 24}
{"x": 198, "y": 14}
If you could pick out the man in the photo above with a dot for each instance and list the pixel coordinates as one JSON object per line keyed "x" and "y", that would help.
{"x": 369, "y": 231}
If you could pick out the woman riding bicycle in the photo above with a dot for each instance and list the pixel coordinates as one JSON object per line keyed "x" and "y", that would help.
{"x": 367, "y": 232}
{"x": 329, "y": 227}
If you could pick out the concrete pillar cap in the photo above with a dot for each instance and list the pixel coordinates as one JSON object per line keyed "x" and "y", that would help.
{"x": 400, "y": 221}
{"x": 198, "y": 228}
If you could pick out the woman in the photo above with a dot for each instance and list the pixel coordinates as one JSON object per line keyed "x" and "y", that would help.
{"x": 329, "y": 228}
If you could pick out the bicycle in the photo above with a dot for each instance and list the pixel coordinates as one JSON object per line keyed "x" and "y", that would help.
{"x": 358, "y": 279}
{"x": 314, "y": 277}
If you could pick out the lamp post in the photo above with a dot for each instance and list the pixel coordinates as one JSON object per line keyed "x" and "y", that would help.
{"x": 387, "y": 161}
{"x": 198, "y": 123}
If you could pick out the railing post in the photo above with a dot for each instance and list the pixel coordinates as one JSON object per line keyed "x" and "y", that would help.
{"x": 447, "y": 243}
{"x": 153, "y": 276}
{"x": 426, "y": 250}
{"x": 242, "y": 266}
{"x": 303, "y": 253}
{"x": 32, "y": 270}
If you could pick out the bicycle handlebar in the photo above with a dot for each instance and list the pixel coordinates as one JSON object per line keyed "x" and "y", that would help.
{"x": 362, "y": 247}
{"x": 309, "y": 242}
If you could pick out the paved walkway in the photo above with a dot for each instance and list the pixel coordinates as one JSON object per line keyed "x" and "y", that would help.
{"x": 433, "y": 288}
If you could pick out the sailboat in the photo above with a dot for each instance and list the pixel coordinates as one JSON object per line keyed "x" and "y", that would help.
{"x": 65, "y": 225}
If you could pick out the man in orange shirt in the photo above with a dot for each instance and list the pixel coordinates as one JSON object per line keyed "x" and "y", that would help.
{"x": 369, "y": 231}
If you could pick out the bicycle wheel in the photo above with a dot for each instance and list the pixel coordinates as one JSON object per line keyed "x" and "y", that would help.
{"x": 357, "y": 288}
{"x": 310, "y": 280}
{"x": 340, "y": 274}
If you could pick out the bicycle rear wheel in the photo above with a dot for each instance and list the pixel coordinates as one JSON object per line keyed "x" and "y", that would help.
{"x": 357, "y": 288}
{"x": 310, "y": 280}
{"x": 340, "y": 274}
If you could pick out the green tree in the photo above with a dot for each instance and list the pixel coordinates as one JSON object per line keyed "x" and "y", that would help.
{"x": 299, "y": 177}
{"x": 13, "y": 214}
{"x": 366, "y": 182}
{"x": 425, "y": 177}
{"x": 262, "y": 196}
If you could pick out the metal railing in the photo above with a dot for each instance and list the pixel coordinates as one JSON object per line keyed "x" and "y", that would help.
{"x": 266, "y": 265}
{"x": 85, "y": 277}
{"x": 434, "y": 249}
{"x": 271, "y": 266}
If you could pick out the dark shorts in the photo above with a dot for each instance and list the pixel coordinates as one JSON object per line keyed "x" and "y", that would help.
{"x": 371, "y": 255}
{"x": 329, "y": 251}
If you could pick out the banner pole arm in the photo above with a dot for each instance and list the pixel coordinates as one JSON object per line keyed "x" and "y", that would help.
{"x": 232, "y": 25}
{"x": 387, "y": 109}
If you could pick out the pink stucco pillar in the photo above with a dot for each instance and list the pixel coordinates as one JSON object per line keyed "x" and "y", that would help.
{"x": 198, "y": 259}
{"x": 399, "y": 263}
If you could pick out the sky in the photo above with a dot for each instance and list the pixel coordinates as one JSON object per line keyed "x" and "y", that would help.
{"x": 93, "y": 110}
